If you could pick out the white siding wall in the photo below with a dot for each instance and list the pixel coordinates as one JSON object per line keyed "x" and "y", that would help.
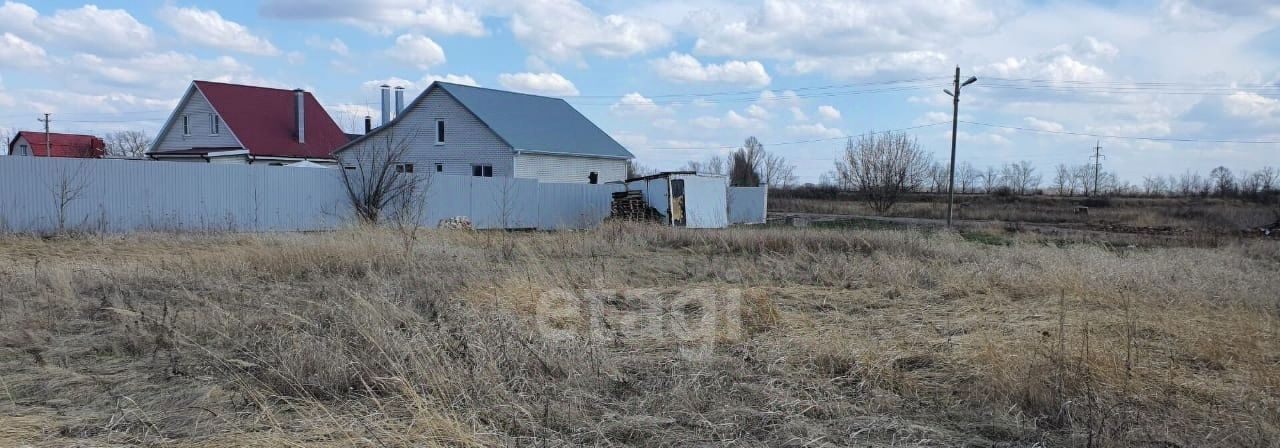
{"x": 467, "y": 140}
{"x": 569, "y": 169}
{"x": 198, "y": 109}
{"x": 17, "y": 147}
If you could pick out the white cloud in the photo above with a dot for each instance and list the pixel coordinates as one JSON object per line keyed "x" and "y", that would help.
{"x": 925, "y": 61}
{"x": 20, "y": 19}
{"x": 757, "y": 112}
{"x": 16, "y": 52}
{"x": 730, "y": 120}
{"x": 105, "y": 31}
{"x": 815, "y": 130}
{"x": 335, "y": 45}
{"x": 1092, "y": 48}
{"x": 1043, "y": 125}
{"x": 170, "y": 71}
{"x": 635, "y": 104}
{"x": 384, "y": 16}
{"x": 465, "y": 80}
{"x": 418, "y": 50}
{"x": 798, "y": 114}
{"x": 828, "y": 113}
{"x": 681, "y": 67}
{"x": 296, "y": 58}
{"x": 1056, "y": 68}
{"x": 546, "y": 83}
{"x": 1252, "y": 106}
{"x": 563, "y": 30}
{"x": 208, "y": 28}
{"x": 828, "y": 36}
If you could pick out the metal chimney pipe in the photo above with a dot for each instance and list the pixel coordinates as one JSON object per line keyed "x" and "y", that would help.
{"x": 368, "y": 124}
{"x": 386, "y": 104}
{"x": 299, "y": 100}
{"x": 399, "y": 100}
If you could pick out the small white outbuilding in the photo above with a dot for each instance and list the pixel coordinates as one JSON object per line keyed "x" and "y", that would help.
{"x": 686, "y": 198}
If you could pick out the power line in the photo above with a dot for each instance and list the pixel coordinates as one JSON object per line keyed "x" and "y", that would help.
{"x": 797, "y": 142}
{"x": 793, "y": 89}
{"x": 1124, "y": 137}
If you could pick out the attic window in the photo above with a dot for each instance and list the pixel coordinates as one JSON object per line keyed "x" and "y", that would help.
{"x": 22, "y": 150}
{"x": 439, "y": 132}
{"x": 215, "y": 124}
{"x": 186, "y": 125}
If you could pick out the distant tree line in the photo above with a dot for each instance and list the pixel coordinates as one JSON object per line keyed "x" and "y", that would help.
{"x": 748, "y": 166}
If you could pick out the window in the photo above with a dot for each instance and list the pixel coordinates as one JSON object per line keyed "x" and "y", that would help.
{"x": 482, "y": 170}
{"x": 439, "y": 167}
{"x": 215, "y": 124}
{"x": 352, "y": 168}
{"x": 186, "y": 125}
{"x": 439, "y": 132}
{"x": 593, "y": 178}
{"x": 404, "y": 167}
{"x": 22, "y": 150}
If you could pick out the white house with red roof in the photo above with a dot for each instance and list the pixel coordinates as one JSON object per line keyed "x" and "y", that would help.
{"x": 231, "y": 123}
{"x": 35, "y": 144}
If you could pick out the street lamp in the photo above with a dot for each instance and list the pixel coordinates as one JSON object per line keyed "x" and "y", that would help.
{"x": 955, "y": 121}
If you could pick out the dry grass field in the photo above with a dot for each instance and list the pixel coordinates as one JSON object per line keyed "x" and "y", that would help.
{"x": 1198, "y": 215}
{"x": 632, "y": 335}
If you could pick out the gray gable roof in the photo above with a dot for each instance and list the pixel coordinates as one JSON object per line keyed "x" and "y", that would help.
{"x": 535, "y": 124}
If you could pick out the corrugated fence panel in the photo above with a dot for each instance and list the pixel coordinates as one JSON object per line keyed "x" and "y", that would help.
{"x": 131, "y": 195}
{"x": 748, "y": 205}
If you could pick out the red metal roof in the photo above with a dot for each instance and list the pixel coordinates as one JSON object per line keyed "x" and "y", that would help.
{"x": 263, "y": 120}
{"x": 61, "y": 145}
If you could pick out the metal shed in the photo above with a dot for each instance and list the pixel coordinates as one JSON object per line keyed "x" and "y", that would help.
{"x": 686, "y": 198}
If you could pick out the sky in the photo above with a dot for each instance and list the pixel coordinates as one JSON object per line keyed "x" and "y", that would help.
{"x": 1190, "y": 85}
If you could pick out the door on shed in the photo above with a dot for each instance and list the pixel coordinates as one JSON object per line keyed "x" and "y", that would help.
{"x": 677, "y": 203}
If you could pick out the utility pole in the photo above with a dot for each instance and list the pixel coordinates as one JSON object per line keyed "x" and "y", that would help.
{"x": 48, "y": 148}
{"x": 955, "y": 123}
{"x": 1097, "y": 165}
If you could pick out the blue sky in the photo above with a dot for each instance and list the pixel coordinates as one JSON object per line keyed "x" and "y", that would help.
{"x": 683, "y": 80}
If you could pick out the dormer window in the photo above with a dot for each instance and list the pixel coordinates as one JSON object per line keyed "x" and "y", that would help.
{"x": 215, "y": 124}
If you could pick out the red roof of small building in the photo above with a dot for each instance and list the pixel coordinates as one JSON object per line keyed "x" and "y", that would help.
{"x": 60, "y": 145}
{"x": 263, "y": 120}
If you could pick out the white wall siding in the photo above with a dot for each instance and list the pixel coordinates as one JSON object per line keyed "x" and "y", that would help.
{"x": 198, "y": 109}
{"x": 569, "y": 169}
{"x": 748, "y": 205}
{"x": 138, "y": 195}
{"x": 17, "y": 147}
{"x": 467, "y": 140}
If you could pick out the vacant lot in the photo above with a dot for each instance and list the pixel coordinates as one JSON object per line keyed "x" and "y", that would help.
{"x": 636, "y": 336}
{"x": 1145, "y": 215}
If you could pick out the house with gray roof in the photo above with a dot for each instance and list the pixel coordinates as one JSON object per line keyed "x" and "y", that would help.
{"x": 472, "y": 131}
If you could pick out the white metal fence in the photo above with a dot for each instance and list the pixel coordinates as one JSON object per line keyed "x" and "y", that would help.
{"x": 41, "y": 195}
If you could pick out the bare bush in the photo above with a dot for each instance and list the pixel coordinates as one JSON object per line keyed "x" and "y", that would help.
{"x": 376, "y": 174}
{"x": 881, "y": 167}
{"x": 127, "y": 144}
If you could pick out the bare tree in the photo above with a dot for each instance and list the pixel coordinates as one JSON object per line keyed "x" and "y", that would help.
{"x": 127, "y": 144}
{"x": 68, "y": 185}
{"x": 635, "y": 169}
{"x": 778, "y": 172}
{"x": 746, "y": 163}
{"x": 7, "y": 135}
{"x": 967, "y": 177}
{"x": 990, "y": 179}
{"x": 1062, "y": 180}
{"x": 882, "y": 167}
{"x": 1154, "y": 186}
{"x": 375, "y": 174}
{"x": 1020, "y": 176}
{"x": 938, "y": 177}
{"x": 1222, "y": 180}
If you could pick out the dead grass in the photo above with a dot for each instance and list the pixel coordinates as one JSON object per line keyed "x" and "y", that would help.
{"x": 815, "y": 337}
{"x": 1216, "y": 216}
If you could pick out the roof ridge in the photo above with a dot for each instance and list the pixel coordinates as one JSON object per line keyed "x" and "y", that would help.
{"x": 512, "y": 92}
{"x": 246, "y": 85}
